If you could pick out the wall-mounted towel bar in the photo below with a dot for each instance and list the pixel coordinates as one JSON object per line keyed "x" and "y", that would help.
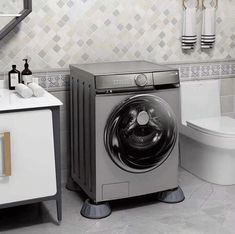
{"x": 213, "y": 3}
{"x": 197, "y": 4}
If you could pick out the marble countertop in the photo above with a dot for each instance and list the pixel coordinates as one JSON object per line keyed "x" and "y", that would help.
{"x": 10, "y": 100}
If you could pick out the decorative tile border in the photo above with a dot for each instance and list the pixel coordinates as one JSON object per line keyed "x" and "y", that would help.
{"x": 58, "y": 80}
{"x": 214, "y": 70}
{"x": 54, "y": 80}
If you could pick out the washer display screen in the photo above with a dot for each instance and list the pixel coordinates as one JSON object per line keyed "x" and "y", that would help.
{"x": 141, "y": 133}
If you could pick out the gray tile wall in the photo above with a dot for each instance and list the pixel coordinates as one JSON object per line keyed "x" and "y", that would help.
{"x": 63, "y": 96}
{"x": 228, "y": 97}
{"x": 61, "y": 32}
{"x": 227, "y": 108}
{"x": 57, "y": 82}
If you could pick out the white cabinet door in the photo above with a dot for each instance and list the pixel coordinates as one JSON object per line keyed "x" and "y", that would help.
{"x": 33, "y": 172}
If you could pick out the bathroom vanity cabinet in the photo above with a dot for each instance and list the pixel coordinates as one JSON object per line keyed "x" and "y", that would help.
{"x": 29, "y": 150}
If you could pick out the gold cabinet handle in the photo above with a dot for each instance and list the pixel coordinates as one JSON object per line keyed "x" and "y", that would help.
{"x": 7, "y": 154}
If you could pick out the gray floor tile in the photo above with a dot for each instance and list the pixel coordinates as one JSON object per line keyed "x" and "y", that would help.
{"x": 207, "y": 209}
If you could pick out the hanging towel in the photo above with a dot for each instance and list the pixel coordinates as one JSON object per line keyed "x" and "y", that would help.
{"x": 189, "y": 35}
{"x": 208, "y": 28}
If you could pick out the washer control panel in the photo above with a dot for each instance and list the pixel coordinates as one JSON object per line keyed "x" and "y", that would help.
{"x": 124, "y": 82}
{"x": 133, "y": 81}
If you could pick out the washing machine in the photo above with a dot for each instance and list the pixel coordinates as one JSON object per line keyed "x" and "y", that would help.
{"x": 124, "y": 132}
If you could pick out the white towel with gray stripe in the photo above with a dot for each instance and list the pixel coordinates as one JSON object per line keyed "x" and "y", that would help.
{"x": 189, "y": 34}
{"x": 208, "y": 28}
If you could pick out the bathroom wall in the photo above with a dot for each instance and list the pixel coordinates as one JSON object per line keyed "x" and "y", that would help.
{"x": 60, "y": 32}
{"x": 60, "y": 89}
{"x": 228, "y": 97}
{"x": 64, "y": 131}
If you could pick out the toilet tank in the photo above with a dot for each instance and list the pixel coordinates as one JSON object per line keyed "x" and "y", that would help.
{"x": 200, "y": 99}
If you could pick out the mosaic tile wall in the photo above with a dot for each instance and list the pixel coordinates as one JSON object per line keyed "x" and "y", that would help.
{"x": 60, "y": 32}
{"x": 57, "y": 83}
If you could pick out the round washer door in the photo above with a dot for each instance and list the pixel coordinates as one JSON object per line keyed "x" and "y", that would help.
{"x": 141, "y": 133}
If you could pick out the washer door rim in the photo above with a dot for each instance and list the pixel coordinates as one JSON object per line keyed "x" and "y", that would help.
{"x": 117, "y": 159}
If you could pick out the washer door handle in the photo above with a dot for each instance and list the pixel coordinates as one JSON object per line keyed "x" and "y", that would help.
{"x": 143, "y": 118}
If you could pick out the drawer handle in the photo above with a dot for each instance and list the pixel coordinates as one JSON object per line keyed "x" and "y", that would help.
{"x": 7, "y": 154}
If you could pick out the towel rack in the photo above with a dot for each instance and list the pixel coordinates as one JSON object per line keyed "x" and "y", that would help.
{"x": 216, "y": 3}
{"x": 197, "y": 6}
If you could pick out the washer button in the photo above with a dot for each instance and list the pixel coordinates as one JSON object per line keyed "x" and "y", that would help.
{"x": 141, "y": 80}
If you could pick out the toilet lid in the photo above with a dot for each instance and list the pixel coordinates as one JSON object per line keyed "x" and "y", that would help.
{"x": 219, "y": 126}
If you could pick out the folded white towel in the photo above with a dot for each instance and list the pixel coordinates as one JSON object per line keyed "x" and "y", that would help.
{"x": 208, "y": 28}
{"x": 189, "y": 34}
{"x": 37, "y": 90}
{"x": 24, "y": 91}
{"x": 189, "y": 22}
{"x": 209, "y": 22}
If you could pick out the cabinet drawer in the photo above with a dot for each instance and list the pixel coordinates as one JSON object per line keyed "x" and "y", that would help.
{"x": 32, "y": 156}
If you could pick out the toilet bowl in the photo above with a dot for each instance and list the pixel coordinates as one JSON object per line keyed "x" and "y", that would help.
{"x": 207, "y": 139}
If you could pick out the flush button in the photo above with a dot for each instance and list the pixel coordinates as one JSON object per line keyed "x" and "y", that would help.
{"x": 141, "y": 80}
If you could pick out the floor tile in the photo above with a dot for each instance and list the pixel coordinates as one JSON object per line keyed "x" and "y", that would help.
{"x": 207, "y": 209}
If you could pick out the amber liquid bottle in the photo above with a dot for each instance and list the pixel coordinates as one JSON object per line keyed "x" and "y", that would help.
{"x": 13, "y": 78}
{"x": 26, "y": 73}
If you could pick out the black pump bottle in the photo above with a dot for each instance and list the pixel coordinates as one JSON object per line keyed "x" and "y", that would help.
{"x": 26, "y": 73}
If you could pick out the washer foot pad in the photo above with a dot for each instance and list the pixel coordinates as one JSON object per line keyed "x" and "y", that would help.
{"x": 171, "y": 196}
{"x": 95, "y": 210}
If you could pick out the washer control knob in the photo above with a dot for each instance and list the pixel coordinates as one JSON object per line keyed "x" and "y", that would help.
{"x": 141, "y": 80}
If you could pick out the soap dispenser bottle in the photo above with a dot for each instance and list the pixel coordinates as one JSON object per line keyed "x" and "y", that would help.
{"x": 13, "y": 78}
{"x": 26, "y": 73}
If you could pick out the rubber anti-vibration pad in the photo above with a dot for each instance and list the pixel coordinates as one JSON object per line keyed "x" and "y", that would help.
{"x": 95, "y": 210}
{"x": 171, "y": 196}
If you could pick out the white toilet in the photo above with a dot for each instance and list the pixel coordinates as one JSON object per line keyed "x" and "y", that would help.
{"x": 207, "y": 139}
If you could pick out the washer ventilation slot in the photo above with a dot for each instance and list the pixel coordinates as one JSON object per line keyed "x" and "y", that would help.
{"x": 82, "y": 133}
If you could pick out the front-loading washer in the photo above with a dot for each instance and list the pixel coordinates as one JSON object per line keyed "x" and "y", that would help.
{"x": 124, "y": 132}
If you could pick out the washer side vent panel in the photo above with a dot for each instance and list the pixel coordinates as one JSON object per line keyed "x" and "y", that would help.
{"x": 82, "y": 134}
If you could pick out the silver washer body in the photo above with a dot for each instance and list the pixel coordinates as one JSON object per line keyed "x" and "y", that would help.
{"x": 114, "y": 84}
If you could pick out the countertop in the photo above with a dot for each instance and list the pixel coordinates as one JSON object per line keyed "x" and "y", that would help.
{"x": 10, "y": 100}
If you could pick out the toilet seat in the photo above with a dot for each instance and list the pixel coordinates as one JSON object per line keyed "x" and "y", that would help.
{"x": 218, "y": 126}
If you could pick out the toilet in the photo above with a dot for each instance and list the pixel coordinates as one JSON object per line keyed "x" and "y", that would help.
{"x": 207, "y": 139}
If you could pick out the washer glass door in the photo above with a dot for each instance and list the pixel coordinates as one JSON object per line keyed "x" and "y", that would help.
{"x": 141, "y": 133}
